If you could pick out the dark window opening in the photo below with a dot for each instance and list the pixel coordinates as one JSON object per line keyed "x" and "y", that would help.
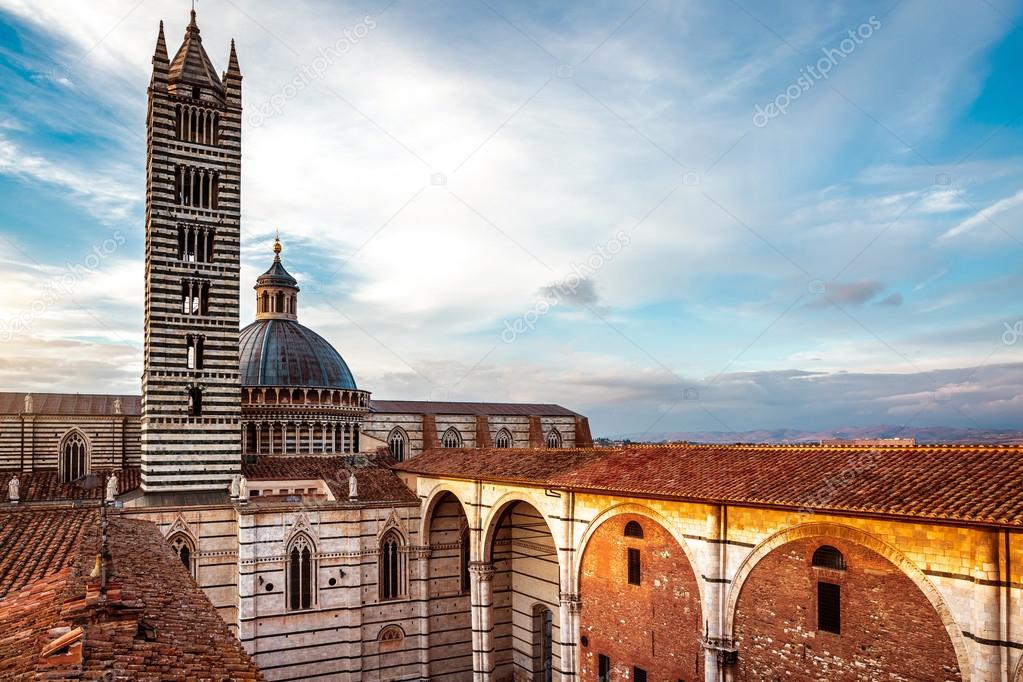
{"x": 603, "y": 668}
{"x": 829, "y": 608}
{"x": 391, "y": 573}
{"x": 634, "y": 566}
{"x": 195, "y": 402}
{"x": 827, "y": 556}
{"x": 196, "y": 92}
{"x": 195, "y": 244}
{"x": 464, "y": 567}
{"x": 300, "y": 576}
{"x": 633, "y": 530}
{"x": 638, "y": 674}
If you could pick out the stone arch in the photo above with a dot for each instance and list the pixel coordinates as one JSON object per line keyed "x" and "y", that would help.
{"x": 869, "y": 541}
{"x": 435, "y": 495}
{"x": 651, "y": 575}
{"x": 490, "y": 523}
{"x": 639, "y": 510}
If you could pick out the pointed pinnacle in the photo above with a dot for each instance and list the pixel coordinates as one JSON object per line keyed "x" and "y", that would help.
{"x": 161, "y": 45}
{"x": 232, "y": 63}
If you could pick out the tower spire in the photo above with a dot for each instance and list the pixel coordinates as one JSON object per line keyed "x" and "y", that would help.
{"x": 232, "y": 62}
{"x": 161, "y": 46}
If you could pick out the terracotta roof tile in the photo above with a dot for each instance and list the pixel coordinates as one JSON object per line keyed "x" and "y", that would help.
{"x": 377, "y": 483}
{"x": 155, "y": 623}
{"x": 87, "y": 404}
{"x": 44, "y": 485}
{"x": 484, "y": 409}
{"x": 981, "y": 484}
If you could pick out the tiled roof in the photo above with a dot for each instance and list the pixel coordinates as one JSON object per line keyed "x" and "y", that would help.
{"x": 377, "y": 483}
{"x": 155, "y": 623}
{"x": 191, "y": 64}
{"x": 35, "y": 543}
{"x": 89, "y": 404}
{"x": 44, "y": 485}
{"x": 480, "y": 409}
{"x": 978, "y": 484}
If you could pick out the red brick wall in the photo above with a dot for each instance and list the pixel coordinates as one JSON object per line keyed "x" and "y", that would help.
{"x": 656, "y": 625}
{"x": 889, "y": 629}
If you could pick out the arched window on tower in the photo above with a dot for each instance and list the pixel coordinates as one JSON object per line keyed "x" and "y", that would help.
{"x": 185, "y": 549}
{"x": 503, "y": 439}
{"x": 392, "y": 567}
{"x": 301, "y": 573}
{"x": 74, "y": 457}
{"x": 634, "y": 530}
{"x": 452, "y": 438}
{"x": 279, "y": 302}
{"x": 195, "y": 351}
{"x": 397, "y": 441}
{"x": 554, "y": 438}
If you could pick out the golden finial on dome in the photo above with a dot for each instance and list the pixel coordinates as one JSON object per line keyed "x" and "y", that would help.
{"x": 277, "y": 243}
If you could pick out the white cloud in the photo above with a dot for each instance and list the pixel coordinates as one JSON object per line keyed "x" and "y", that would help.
{"x": 985, "y": 217}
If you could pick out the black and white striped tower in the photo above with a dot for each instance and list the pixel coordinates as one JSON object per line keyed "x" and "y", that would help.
{"x": 191, "y": 405}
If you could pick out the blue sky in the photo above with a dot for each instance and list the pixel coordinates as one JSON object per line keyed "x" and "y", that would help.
{"x": 594, "y": 177}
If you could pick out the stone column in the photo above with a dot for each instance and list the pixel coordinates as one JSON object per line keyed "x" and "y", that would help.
{"x": 481, "y": 578}
{"x": 571, "y": 606}
{"x": 423, "y": 564}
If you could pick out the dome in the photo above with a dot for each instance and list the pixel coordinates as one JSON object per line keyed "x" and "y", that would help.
{"x": 280, "y": 352}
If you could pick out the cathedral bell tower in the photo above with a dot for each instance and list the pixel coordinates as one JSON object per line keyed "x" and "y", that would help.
{"x": 190, "y": 380}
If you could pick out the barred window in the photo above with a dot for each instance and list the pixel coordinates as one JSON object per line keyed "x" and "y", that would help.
{"x": 827, "y": 556}
{"x": 829, "y": 607}
{"x": 635, "y": 566}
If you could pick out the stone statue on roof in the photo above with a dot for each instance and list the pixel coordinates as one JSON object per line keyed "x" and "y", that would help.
{"x": 28, "y": 402}
{"x": 243, "y": 488}
{"x": 13, "y": 489}
{"x": 353, "y": 487}
{"x": 235, "y": 486}
{"x": 111, "y": 487}
{"x": 117, "y": 406}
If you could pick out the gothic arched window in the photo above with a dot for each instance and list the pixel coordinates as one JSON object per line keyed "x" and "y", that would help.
{"x": 397, "y": 441}
{"x": 452, "y": 438}
{"x": 392, "y": 566}
{"x": 554, "y": 438}
{"x": 503, "y": 439}
{"x": 301, "y": 573}
{"x": 185, "y": 549}
{"x": 74, "y": 457}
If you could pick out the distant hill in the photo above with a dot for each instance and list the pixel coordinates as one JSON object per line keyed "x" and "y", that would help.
{"x": 922, "y": 434}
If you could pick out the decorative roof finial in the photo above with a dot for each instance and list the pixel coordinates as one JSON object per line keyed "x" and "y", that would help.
{"x": 277, "y": 245}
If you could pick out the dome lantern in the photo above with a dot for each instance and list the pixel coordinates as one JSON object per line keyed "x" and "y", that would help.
{"x": 276, "y": 291}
